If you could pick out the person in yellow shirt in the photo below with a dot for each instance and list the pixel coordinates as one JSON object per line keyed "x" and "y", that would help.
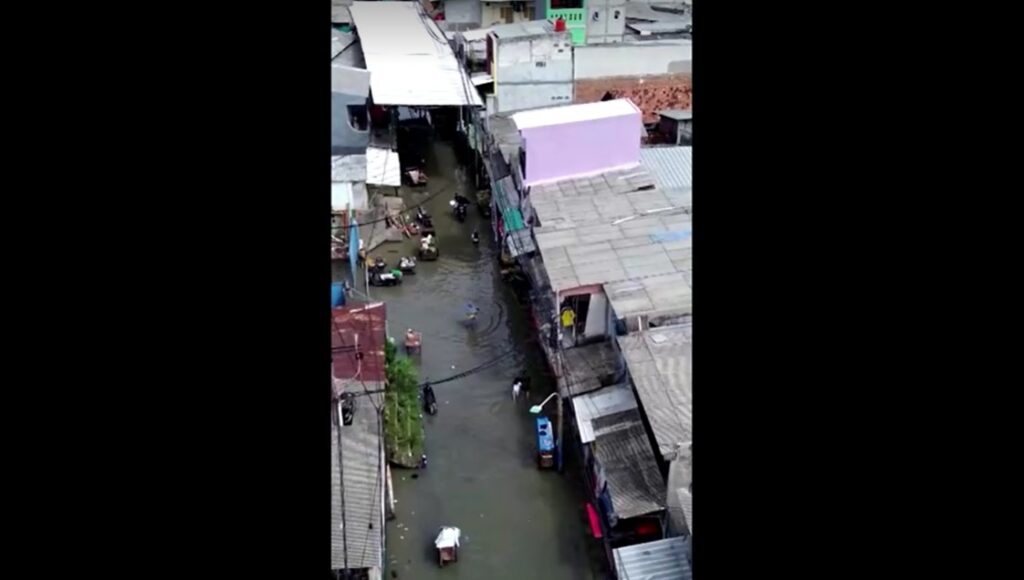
{"x": 568, "y": 318}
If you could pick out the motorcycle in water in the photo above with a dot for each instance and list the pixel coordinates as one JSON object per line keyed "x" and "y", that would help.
{"x": 423, "y": 217}
{"x": 407, "y": 264}
{"x": 426, "y": 222}
{"x": 459, "y": 205}
{"x": 429, "y": 399}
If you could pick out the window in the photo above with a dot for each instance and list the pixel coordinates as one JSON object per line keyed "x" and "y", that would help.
{"x": 357, "y": 117}
{"x": 507, "y": 14}
{"x": 566, "y": 4}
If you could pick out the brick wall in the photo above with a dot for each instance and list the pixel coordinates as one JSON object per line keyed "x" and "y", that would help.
{"x": 650, "y": 93}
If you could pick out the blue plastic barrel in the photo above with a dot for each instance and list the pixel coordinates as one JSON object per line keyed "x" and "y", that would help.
{"x": 337, "y": 294}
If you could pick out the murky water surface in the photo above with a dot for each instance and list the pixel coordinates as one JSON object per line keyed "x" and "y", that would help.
{"x": 517, "y": 521}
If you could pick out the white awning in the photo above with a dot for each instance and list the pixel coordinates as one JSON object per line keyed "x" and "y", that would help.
{"x": 382, "y": 167}
{"x": 348, "y": 195}
{"x": 409, "y": 58}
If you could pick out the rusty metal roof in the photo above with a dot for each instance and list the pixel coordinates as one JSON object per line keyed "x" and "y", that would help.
{"x": 358, "y": 329}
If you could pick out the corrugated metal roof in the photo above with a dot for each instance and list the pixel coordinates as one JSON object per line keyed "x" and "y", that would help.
{"x": 359, "y": 328}
{"x": 658, "y": 560}
{"x": 671, "y": 294}
{"x": 520, "y": 242}
{"x": 364, "y": 490}
{"x": 348, "y": 168}
{"x": 506, "y": 136}
{"x": 523, "y": 29}
{"x": 648, "y": 28}
{"x": 409, "y": 58}
{"x": 383, "y": 167}
{"x": 671, "y": 167}
{"x": 474, "y": 35}
{"x": 659, "y": 362}
{"x": 597, "y": 404}
{"x": 645, "y": 11}
{"x": 677, "y": 114}
{"x": 604, "y": 254}
{"x": 631, "y": 473}
{"x": 587, "y": 368}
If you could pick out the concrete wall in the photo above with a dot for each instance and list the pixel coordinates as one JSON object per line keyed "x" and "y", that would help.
{"x": 533, "y": 96}
{"x": 463, "y": 11}
{"x": 597, "y": 316}
{"x": 610, "y": 23}
{"x": 562, "y": 151}
{"x": 345, "y": 138}
{"x": 633, "y": 59}
{"x": 533, "y": 72}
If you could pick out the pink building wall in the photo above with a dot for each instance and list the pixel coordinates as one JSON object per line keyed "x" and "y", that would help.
{"x": 562, "y": 151}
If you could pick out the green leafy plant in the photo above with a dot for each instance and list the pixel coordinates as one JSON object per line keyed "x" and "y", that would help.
{"x": 403, "y": 422}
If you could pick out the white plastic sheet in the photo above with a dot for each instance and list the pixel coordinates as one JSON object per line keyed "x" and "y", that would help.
{"x": 448, "y": 538}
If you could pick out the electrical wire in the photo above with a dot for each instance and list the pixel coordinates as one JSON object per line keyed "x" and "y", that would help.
{"x": 386, "y": 217}
{"x": 471, "y": 371}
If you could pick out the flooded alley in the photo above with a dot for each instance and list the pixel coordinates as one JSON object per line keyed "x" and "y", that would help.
{"x": 516, "y": 520}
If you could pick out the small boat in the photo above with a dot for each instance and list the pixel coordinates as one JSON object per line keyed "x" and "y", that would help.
{"x": 447, "y": 544}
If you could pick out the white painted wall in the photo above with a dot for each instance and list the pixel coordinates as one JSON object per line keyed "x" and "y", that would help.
{"x": 463, "y": 11}
{"x": 597, "y": 316}
{"x": 627, "y": 60}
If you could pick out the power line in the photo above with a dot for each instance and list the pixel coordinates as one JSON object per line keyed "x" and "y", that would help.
{"x": 386, "y": 217}
{"x": 471, "y": 371}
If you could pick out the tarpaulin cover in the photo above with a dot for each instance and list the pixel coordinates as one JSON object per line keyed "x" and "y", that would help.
{"x": 448, "y": 538}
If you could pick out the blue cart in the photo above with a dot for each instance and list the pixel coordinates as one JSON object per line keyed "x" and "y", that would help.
{"x": 545, "y": 444}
